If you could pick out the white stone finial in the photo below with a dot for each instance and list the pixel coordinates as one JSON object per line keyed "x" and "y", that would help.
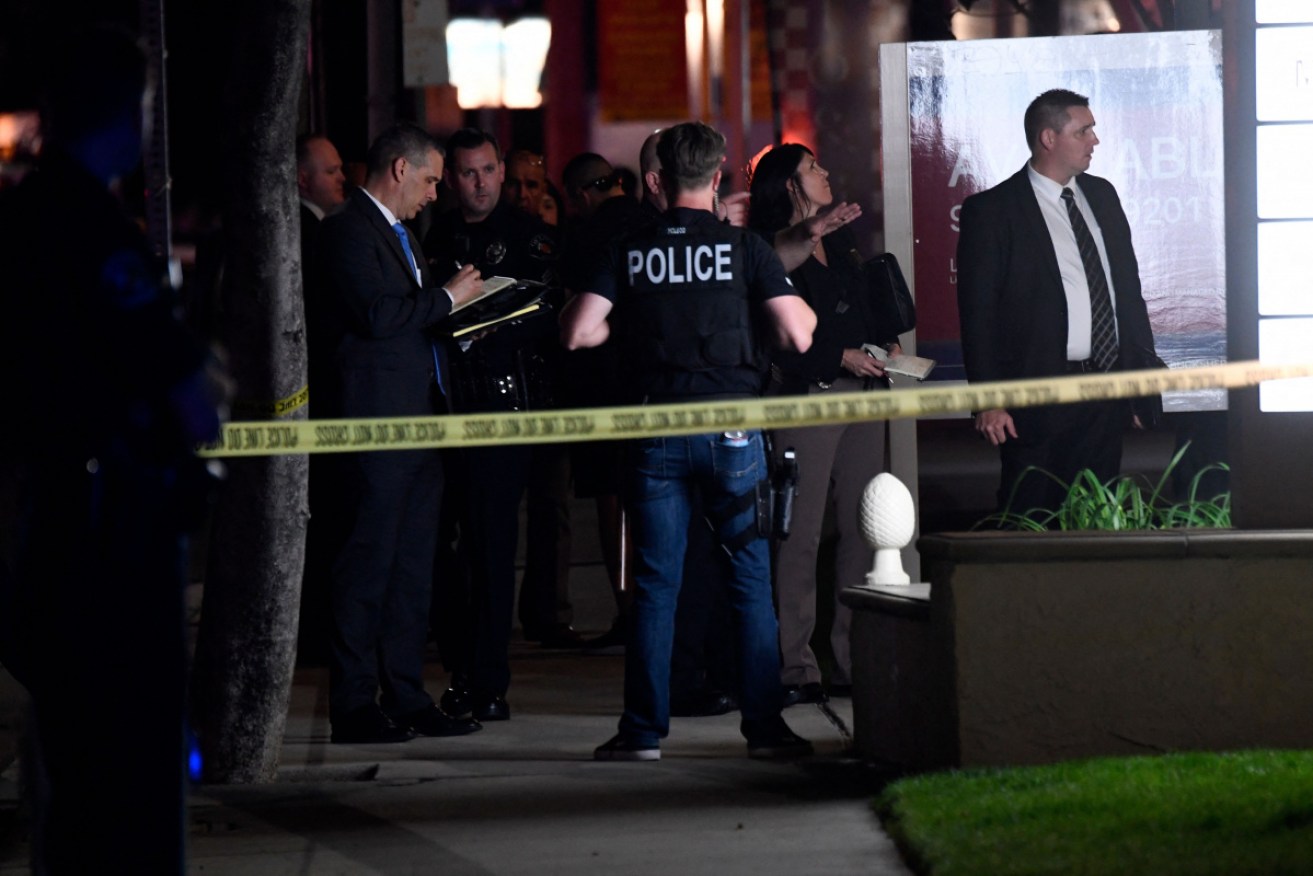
{"x": 888, "y": 519}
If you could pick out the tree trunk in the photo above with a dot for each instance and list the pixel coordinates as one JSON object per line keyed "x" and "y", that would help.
{"x": 246, "y": 647}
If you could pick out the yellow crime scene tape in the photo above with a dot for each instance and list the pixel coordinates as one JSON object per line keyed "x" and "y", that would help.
{"x": 648, "y": 421}
{"x": 280, "y": 408}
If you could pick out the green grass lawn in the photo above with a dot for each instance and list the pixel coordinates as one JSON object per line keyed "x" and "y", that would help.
{"x": 1225, "y": 814}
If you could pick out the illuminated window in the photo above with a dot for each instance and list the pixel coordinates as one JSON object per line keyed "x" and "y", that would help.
{"x": 1284, "y": 342}
{"x": 1281, "y": 11}
{"x": 496, "y": 65}
{"x": 1283, "y": 79}
{"x": 1282, "y": 194}
{"x": 1284, "y": 288}
{"x": 1284, "y": 70}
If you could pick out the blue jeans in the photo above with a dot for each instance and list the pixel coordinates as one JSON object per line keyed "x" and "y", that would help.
{"x": 726, "y": 468}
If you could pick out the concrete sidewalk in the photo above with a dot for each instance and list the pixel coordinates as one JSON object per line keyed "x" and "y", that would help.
{"x": 525, "y": 796}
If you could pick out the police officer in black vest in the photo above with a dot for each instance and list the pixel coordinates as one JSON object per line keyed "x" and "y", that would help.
{"x": 695, "y": 301}
{"x": 508, "y": 369}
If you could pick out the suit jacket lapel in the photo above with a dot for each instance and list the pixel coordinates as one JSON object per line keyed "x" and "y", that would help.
{"x": 1099, "y": 207}
{"x": 390, "y": 239}
{"x": 1036, "y": 228}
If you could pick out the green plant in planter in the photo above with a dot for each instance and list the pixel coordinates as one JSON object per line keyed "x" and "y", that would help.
{"x": 1120, "y": 504}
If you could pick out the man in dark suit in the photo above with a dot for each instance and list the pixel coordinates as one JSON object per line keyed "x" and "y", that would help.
{"x": 320, "y": 181}
{"x": 321, "y": 185}
{"x": 388, "y": 367}
{"x": 1048, "y": 285}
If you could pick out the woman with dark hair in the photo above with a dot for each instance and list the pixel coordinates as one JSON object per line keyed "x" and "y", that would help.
{"x": 549, "y": 208}
{"x": 788, "y": 186}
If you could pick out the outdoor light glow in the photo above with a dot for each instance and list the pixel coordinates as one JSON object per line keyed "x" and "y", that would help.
{"x": 495, "y": 65}
{"x": 474, "y": 56}
{"x": 524, "y": 51}
{"x": 19, "y": 132}
{"x": 694, "y": 44}
{"x": 716, "y": 37}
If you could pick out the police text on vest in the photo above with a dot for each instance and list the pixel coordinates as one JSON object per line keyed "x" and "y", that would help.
{"x": 685, "y": 264}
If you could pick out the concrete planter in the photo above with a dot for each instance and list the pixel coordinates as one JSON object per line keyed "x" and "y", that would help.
{"x": 1040, "y": 647}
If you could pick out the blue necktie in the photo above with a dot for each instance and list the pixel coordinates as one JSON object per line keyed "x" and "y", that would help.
{"x": 405, "y": 244}
{"x": 1103, "y": 328}
{"x": 414, "y": 270}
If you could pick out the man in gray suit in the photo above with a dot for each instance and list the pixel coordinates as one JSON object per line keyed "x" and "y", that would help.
{"x": 1048, "y": 285}
{"x": 388, "y": 367}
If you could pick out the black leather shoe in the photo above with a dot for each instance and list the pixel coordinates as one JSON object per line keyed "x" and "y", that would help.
{"x": 435, "y": 722}
{"x": 609, "y": 643}
{"x": 771, "y": 738}
{"x": 562, "y": 637}
{"x": 811, "y": 692}
{"x": 368, "y": 726}
{"x": 702, "y": 703}
{"x": 494, "y": 709}
{"x": 456, "y": 702}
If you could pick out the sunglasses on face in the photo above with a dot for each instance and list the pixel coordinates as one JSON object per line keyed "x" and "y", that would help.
{"x": 602, "y": 183}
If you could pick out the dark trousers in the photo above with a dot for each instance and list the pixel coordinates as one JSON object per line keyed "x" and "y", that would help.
{"x": 326, "y": 532}
{"x": 98, "y": 589}
{"x": 383, "y": 580}
{"x": 492, "y": 483}
{"x": 1061, "y": 440}
{"x": 703, "y": 654}
{"x": 450, "y": 612}
{"x": 545, "y": 587}
{"x": 835, "y": 464}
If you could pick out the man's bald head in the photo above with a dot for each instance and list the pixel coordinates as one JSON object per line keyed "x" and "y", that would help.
{"x": 589, "y": 179}
{"x": 650, "y": 168}
{"x": 319, "y": 176}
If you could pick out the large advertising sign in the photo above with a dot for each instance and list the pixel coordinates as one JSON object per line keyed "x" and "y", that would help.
{"x": 1157, "y": 103}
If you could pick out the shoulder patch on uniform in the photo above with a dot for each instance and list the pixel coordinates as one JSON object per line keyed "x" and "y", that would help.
{"x": 495, "y": 252}
{"x": 542, "y": 246}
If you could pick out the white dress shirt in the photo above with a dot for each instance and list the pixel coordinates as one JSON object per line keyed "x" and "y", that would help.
{"x": 1070, "y": 265}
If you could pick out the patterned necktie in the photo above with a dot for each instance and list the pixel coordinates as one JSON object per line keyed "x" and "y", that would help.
{"x": 414, "y": 270}
{"x": 405, "y": 244}
{"x": 1103, "y": 329}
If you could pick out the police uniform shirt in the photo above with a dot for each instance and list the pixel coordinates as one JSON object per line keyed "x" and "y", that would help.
{"x": 586, "y": 241}
{"x": 507, "y": 243}
{"x": 690, "y": 250}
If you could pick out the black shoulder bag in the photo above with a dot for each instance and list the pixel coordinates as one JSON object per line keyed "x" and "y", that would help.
{"x": 890, "y": 296}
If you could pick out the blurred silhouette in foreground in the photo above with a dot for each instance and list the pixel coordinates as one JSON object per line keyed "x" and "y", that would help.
{"x": 111, "y": 395}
